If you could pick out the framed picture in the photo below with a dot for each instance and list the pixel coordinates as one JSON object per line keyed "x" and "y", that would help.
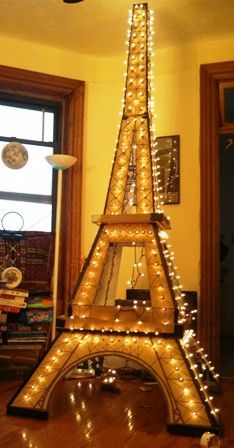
{"x": 168, "y": 161}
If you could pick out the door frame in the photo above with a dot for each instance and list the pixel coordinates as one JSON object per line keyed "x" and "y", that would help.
{"x": 211, "y": 76}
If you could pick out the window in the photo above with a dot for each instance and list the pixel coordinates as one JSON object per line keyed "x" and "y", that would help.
{"x": 68, "y": 94}
{"x": 28, "y": 130}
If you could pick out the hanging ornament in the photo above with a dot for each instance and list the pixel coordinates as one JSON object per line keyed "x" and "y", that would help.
{"x": 12, "y": 222}
{"x": 14, "y": 155}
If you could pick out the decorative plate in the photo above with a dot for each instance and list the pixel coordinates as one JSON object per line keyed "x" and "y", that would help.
{"x": 14, "y": 155}
{"x": 11, "y": 277}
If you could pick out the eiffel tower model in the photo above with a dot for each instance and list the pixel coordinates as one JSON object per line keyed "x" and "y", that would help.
{"x": 151, "y": 325}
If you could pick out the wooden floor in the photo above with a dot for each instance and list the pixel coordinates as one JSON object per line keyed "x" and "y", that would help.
{"x": 84, "y": 416}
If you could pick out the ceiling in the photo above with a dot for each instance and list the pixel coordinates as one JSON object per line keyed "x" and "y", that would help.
{"x": 99, "y": 27}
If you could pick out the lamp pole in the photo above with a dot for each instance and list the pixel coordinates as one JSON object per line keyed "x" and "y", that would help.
{"x": 59, "y": 162}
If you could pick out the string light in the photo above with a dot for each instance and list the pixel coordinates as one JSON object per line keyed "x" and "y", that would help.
{"x": 179, "y": 363}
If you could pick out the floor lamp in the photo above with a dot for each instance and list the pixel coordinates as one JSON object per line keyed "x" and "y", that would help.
{"x": 59, "y": 162}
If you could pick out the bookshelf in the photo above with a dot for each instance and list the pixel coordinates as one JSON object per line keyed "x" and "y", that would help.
{"x": 26, "y": 310}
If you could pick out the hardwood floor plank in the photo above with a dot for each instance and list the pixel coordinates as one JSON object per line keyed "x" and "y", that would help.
{"x": 83, "y": 415}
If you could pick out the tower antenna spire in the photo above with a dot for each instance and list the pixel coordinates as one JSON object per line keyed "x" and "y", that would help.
{"x": 134, "y": 178}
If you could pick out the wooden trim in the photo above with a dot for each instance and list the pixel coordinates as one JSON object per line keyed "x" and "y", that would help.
{"x": 71, "y": 220}
{"x": 211, "y": 75}
{"x": 222, "y": 87}
{"x": 226, "y": 130}
{"x": 26, "y": 197}
{"x": 69, "y": 94}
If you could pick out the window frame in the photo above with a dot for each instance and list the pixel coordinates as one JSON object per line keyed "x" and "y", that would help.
{"x": 69, "y": 94}
{"x": 223, "y": 86}
{"x": 23, "y": 102}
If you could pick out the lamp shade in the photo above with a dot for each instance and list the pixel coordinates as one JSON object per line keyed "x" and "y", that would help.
{"x": 72, "y": 1}
{"x": 61, "y": 161}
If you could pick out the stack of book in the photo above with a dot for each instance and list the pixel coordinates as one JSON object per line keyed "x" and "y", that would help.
{"x": 32, "y": 324}
{"x": 18, "y": 332}
{"x": 25, "y": 323}
{"x": 13, "y": 300}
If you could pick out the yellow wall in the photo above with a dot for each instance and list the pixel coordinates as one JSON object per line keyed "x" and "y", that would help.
{"x": 177, "y": 108}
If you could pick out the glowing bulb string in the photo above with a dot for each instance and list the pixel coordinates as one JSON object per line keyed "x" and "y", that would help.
{"x": 202, "y": 387}
{"x": 136, "y": 272}
{"x": 201, "y": 353}
{"x": 175, "y": 279}
{"x": 110, "y": 262}
{"x": 139, "y": 313}
{"x": 198, "y": 353}
{"x": 135, "y": 104}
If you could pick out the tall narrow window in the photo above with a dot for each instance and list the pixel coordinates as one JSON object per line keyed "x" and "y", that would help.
{"x": 28, "y": 133}
{"x": 64, "y": 99}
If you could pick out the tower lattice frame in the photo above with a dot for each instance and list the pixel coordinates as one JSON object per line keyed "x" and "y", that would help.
{"x": 155, "y": 333}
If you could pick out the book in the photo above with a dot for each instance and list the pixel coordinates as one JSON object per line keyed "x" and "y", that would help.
{"x": 10, "y": 309}
{"x": 26, "y": 340}
{"x": 32, "y": 316}
{"x": 13, "y": 301}
{"x": 3, "y": 318}
{"x": 39, "y": 302}
{"x": 22, "y": 336}
{"x": 14, "y": 292}
{"x": 19, "y": 327}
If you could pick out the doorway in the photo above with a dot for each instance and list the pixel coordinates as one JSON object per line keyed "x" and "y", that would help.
{"x": 226, "y": 157}
{"x": 214, "y": 127}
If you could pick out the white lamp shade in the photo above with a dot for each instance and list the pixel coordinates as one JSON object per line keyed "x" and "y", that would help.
{"x": 61, "y": 161}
